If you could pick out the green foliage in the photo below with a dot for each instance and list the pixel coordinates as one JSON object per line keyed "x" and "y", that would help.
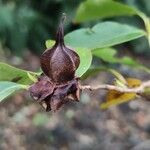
{"x": 12, "y": 74}
{"x": 49, "y": 43}
{"x": 21, "y": 26}
{"x": 8, "y": 88}
{"x": 85, "y": 61}
{"x": 109, "y": 55}
{"x": 26, "y": 24}
{"x": 104, "y": 34}
{"x": 13, "y": 79}
{"x": 99, "y": 9}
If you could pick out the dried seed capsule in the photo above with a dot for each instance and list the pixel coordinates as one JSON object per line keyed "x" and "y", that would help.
{"x": 60, "y": 62}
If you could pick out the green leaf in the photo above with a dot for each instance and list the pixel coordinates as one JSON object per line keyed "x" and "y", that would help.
{"x": 49, "y": 43}
{"x": 85, "y": 58}
{"x": 146, "y": 21}
{"x": 8, "y": 88}
{"x": 33, "y": 78}
{"x": 85, "y": 61}
{"x": 109, "y": 55}
{"x": 106, "y": 54}
{"x": 10, "y": 73}
{"x": 129, "y": 61}
{"x": 118, "y": 76}
{"x": 104, "y": 34}
{"x": 99, "y": 9}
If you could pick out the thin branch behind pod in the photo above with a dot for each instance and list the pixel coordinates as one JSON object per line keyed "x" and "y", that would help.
{"x": 138, "y": 90}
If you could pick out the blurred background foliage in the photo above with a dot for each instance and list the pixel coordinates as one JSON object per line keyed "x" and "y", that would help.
{"x": 27, "y": 24}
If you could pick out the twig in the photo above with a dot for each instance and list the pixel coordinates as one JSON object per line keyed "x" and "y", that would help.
{"x": 138, "y": 90}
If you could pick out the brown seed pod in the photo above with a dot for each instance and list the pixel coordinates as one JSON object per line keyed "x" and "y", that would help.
{"x": 58, "y": 85}
{"x": 60, "y": 62}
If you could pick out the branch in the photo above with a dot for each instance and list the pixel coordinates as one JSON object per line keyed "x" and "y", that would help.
{"x": 138, "y": 90}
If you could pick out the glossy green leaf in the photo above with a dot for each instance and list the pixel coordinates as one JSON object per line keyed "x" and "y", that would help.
{"x": 10, "y": 73}
{"x": 99, "y": 9}
{"x": 85, "y": 58}
{"x": 106, "y": 54}
{"x": 49, "y": 43}
{"x": 85, "y": 61}
{"x": 8, "y": 88}
{"x": 104, "y": 34}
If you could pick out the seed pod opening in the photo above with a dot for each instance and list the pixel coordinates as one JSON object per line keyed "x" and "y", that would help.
{"x": 60, "y": 62}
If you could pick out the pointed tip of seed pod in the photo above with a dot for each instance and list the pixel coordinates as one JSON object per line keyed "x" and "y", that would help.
{"x": 63, "y": 17}
{"x": 60, "y": 31}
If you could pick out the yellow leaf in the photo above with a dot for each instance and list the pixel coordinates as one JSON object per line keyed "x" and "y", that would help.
{"x": 114, "y": 97}
{"x": 132, "y": 82}
{"x": 124, "y": 97}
